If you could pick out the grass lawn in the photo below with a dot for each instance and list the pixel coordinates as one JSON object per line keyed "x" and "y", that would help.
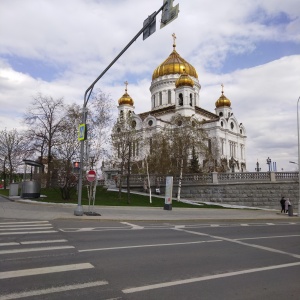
{"x": 111, "y": 198}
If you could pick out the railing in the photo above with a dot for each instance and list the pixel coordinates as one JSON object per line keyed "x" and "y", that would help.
{"x": 216, "y": 178}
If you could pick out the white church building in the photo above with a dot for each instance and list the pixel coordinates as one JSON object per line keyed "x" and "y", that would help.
{"x": 175, "y": 90}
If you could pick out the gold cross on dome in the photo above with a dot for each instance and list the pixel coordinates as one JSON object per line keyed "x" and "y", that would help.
{"x": 222, "y": 85}
{"x": 126, "y": 84}
{"x": 174, "y": 40}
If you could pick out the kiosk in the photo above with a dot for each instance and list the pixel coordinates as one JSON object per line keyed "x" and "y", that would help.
{"x": 31, "y": 188}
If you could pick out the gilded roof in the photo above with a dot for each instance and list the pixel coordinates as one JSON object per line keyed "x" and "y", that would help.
{"x": 174, "y": 64}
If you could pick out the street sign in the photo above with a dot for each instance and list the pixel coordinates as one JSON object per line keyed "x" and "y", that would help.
{"x": 82, "y": 132}
{"x": 169, "y": 13}
{"x": 91, "y": 175}
{"x": 151, "y": 28}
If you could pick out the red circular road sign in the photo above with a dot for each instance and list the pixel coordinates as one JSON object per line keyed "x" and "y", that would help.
{"x": 91, "y": 175}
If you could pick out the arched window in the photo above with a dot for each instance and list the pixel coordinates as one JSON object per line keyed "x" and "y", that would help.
{"x": 160, "y": 98}
{"x": 191, "y": 100}
{"x": 153, "y": 100}
{"x": 221, "y": 114}
{"x": 180, "y": 99}
{"x": 169, "y": 96}
{"x": 121, "y": 114}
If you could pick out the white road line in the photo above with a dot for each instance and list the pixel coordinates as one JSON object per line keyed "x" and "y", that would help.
{"x": 32, "y": 242}
{"x": 210, "y": 277}
{"x": 24, "y": 225}
{"x": 26, "y": 228}
{"x": 270, "y": 224}
{"x": 9, "y": 244}
{"x": 145, "y": 246}
{"x": 245, "y": 224}
{"x": 133, "y": 225}
{"x": 53, "y": 290}
{"x": 43, "y": 242}
{"x": 11, "y": 251}
{"x": 27, "y": 222}
{"x": 269, "y": 237}
{"x": 27, "y": 232}
{"x": 47, "y": 270}
{"x": 241, "y": 243}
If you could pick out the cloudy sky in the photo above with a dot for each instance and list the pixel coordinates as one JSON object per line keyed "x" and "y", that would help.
{"x": 58, "y": 48}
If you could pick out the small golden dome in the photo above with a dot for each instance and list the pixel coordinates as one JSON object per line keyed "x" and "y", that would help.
{"x": 174, "y": 64}
{"x": 126, "y": 99}
{"x": 184, "y": 80}
{"x": 223, "y": 101}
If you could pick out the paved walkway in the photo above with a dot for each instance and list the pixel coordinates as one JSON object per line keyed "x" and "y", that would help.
{"x": 29, "y": 210}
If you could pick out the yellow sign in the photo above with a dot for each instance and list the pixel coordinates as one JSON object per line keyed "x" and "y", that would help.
{"x": 82, "y": 132}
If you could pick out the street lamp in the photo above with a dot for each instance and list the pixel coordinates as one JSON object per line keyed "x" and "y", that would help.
{"x": 257, "y": 169}
{"x": 298, "y": 156}
{"x": 269, "y": 163}
{"x": 169, "y": 14}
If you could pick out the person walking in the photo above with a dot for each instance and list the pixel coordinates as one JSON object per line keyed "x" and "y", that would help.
{"x": 287, "y": 204}
{"x": 282, "y": 203}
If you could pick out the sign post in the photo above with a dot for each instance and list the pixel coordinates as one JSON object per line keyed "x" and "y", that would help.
{"x": 168, "y": 193}
{"x": 91, "y": 177}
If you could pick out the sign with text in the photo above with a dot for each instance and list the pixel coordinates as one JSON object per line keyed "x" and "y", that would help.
{"x": 168, "y": 192}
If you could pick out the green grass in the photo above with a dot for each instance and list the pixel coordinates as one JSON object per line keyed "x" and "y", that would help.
{"x": 111, "y": 198}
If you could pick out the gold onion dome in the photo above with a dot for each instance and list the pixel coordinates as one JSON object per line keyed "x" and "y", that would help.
{"x": 223, "y": 100}
{"x": 126, "y": 99}
{"x": 174, "y": 64}
{"x": 184, "y": 80}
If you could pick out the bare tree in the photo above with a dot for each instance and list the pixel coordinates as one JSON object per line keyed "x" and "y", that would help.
{"x": 44, "y": 120}
{"x": 13, "y": 149}
{"x": 66, "y": 151}
{"x": 123, "y": 137}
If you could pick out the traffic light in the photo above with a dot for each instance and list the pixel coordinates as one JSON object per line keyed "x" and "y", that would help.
{"x": 169, "y": 13}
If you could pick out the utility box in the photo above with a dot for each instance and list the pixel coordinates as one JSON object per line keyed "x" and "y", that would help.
{"x": 14, "y": 189}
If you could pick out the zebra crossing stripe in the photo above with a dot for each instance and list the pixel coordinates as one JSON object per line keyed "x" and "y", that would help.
{"x": 47, "y": 270}
{"x": 53, "y": 290}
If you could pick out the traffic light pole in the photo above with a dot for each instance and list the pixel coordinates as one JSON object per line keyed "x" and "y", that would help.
{"x": 79, "y": 209}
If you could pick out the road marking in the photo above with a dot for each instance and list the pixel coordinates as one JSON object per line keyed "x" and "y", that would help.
{"x": 145, "y": 246}
{"x": 32, "y": 242}
{"x": 241, "y": 243}
{"x": 11, "y": 251}
{"x": 53, "y": 290}
{"x": 23, "y": 225}
{"x": 268, "y": 237}
{"x": 27, "y": 222}
{"x": 27, "y": 232}
{"x": 209, "y": 277}
{"x": 271, "y": 224}
{"x": 47, "y": 270}
{"x": 245, "y": 224}
{"x": 133, "y": 225}
{"x": 35, "y": 228}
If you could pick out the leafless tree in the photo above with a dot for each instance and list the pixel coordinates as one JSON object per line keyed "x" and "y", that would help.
{"x": 44, "y": 120}
{"x": 13, "y": 149}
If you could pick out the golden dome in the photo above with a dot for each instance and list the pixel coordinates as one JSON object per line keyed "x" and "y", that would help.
{"x": 223, "y": 101}
{"x": 174, "y": 64}
{"x": 184, "y": 80}
{"x": 126, "y": 99}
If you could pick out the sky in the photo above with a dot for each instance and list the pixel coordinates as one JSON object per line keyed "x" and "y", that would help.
{"x": 58, "y": 48}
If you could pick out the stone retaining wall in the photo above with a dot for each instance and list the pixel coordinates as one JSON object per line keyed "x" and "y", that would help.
{"x": 265, "y": 195}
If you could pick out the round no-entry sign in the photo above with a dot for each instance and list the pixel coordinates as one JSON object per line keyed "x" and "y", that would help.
{"x": 91, "y": 175}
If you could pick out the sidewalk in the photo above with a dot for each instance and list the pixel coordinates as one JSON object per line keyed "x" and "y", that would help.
{"x": 33, "y": 210}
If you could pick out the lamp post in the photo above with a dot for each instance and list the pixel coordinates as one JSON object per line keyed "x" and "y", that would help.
{"x": 168, "y": 15}
{"x": 257, "y": 169}
{"x": 269, "y": 163}
{"x": 298, "y": 156}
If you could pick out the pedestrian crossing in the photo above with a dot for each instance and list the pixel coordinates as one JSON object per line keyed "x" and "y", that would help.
{"x": 24, "y": 266}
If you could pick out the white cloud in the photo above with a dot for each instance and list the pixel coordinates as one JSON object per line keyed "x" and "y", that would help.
{"x": 81, "y": 37}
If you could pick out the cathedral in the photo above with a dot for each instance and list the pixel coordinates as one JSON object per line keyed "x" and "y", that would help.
{"x": 175, "y": 90}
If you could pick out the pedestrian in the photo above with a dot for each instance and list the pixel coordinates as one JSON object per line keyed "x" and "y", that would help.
{"x": 282, "y": 202}
{"x": 287, "y": 205}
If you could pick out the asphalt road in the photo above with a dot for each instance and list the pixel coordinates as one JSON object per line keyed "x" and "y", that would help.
{"x": 76, "y": 259}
